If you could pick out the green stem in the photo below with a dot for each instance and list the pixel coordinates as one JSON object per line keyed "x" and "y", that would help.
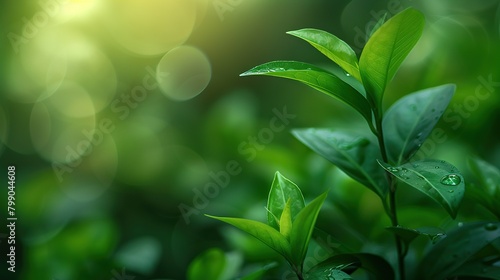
{"x": 392, "y": 197}
{"x": 298, "y": 271}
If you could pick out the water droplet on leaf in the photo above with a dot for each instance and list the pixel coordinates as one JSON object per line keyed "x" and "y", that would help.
{"x": 450, "y": 191}
{"x": 451, "y": 180}
{"x": 393, "y": 169}
{"x": 490, "y": 226}
{"x": 437, "y": 167}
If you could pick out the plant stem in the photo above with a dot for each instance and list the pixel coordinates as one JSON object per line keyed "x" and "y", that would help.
{"x": 392, "y": 197}
{"x": 298, "y": 271}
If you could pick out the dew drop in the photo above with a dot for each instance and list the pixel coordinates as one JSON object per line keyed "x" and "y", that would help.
{"x": 460, "y": 224}
{"x": 451, "y": 180}
{"x": 404, "y": 170}
{"x": 437, "y": 167}
{"x": 392, "y": 169}
{"x": 347, "y": 74}
{"x": 490, "y": 226}
{"x": 451, "y": 191}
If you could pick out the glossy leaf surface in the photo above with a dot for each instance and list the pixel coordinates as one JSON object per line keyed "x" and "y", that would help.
{"x": 318, "y": 79}
{"x": 386, "y": 49}
{"x": 302, "y": 229}
{"x": 437, "y": 179}
{"x": 282, "y": 190}
{"x": 411, "y": 119}
{"x": 332, "y": 47}
{"x": 268, "y": 235}
{"x": 355, "y": 155}
{"x": 461, "y": 246}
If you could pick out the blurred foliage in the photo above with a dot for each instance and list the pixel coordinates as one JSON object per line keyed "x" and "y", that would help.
{"x": 106, "y": 96}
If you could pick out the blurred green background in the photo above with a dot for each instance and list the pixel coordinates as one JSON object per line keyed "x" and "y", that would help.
{"x": 127, "y": 120}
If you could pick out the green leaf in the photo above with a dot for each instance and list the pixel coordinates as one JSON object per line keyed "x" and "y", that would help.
{"x": 355, "y": 155}
{"x": 488, "y": 267}
{"x": 340, "y": 73}
{"x": 286, "y": 221}
{"x": 328, "y": 274}
{"x": 437, "y": 179}
{"x": 318, "y": 79}
{"x": 379, "y": 23}
{"x": 407, "y": 235}
{"x": 487, "y": 190}
{"x": 375, "y": 265}
{"x": 386, "y": 49}
{"x": 487, "y": 175}
{"x": 481, "y": 197}
{"x": 302, "y": 229}
{"x": 411, "y": 119}
{"x": 458, "y": 248}
{"x": 268, "y": 235}
{"x": 259, "y": 273}
{"x": 282, "y": 190}
{"x": 209, "y": 265}
{"x": 331, "y": 46}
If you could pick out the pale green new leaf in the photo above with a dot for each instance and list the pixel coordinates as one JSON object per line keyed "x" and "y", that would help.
{"x": 283, "y": 190}
{"x": 318, "y": 79}
{"x": 209, "y": 265}
{"x": 302, "y": 228}
{"x": 410, "y": 120}
{"x": 333, "y": 47}
{"x": 268, "y": 235}
{"x": 286, "y": 220}
{"x": 437, "y": 179}
{"x": 386, "y": 49}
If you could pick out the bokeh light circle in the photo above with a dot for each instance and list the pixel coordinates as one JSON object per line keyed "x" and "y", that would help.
{"x": 73, "y": 101}
{"x": 58, "y": 55}
{"x": 183, "y": 73}
{"x": 94, "y": 174}
{"x": 150, "y": 27}
{"x": 57, "y": 137}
